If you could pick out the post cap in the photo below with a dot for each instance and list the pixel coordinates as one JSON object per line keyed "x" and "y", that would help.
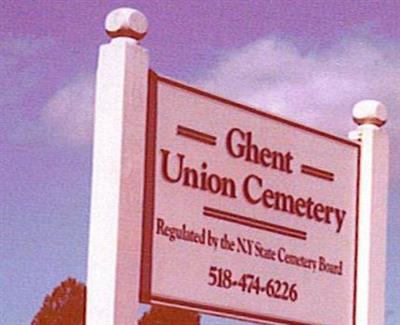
{"x": 126, "y": 22}
{"x": 369, "y": 112}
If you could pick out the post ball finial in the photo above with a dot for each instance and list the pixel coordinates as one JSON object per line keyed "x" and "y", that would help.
{"x": 369, "y": 112}
{"x": 126, "y": 22}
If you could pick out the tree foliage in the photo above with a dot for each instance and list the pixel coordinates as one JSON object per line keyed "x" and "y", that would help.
{"x": 160, "y": 315}
{"x": 65, "y": 305}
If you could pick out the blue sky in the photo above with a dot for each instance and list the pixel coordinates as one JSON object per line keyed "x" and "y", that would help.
{"x": 309, "y": 60}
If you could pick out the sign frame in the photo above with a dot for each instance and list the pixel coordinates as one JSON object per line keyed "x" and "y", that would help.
{"x": 146, "y": 295}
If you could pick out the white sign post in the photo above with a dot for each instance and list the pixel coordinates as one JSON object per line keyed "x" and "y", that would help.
{"x": 118, "y": 166}
{"x": 371, "y": 115}
{"x": 202, "y": 203}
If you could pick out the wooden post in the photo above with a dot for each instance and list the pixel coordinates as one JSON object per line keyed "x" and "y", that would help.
{"x": 117, "y": 180}
{"x": 370, "y": 115}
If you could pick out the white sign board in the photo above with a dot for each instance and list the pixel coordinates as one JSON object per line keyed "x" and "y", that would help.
{"x": 246, "y": 214}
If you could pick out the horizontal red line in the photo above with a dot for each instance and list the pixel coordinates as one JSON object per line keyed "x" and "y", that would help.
{"x": 197, "y": 138}
{"x": 327, "y": 178}
{"x": 196, "y": 135}
{"x": 258, "y": 224}
{"x": 317, "y": 172}
{"x": 182, "y": 128}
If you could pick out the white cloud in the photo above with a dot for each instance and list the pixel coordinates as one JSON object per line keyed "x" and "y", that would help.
{"x": 25, "y": 75}
{"x": 28, "y": 67}
{"x": 318, "y": 88}
{"x": 68, "y": 115}
{"x": 21, "y": 68}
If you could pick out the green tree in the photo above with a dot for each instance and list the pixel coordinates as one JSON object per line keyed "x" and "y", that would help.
{"x": 65, "y": 305}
